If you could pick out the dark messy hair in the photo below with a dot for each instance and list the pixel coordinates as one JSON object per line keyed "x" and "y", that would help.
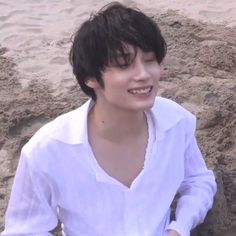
{"x": 105, "y": 35}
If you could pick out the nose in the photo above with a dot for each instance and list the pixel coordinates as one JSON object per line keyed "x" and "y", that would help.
{"x": 141, "y": 71}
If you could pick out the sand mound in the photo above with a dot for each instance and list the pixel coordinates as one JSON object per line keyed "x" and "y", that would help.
{"x": 199, "y": 73}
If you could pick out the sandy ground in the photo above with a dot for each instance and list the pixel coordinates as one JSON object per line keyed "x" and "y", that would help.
{"x": 36, "y": 83}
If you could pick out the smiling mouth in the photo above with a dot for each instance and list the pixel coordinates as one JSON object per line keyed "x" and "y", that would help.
{"x": 141, "y": 90}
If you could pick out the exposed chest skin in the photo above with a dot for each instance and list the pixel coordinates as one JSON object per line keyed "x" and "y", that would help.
{"x": 121, "y": 160}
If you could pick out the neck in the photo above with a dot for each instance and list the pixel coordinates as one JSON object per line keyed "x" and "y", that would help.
{"x": 116, "y": 125}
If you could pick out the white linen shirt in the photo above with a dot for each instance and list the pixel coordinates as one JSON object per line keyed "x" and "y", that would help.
{"x": 59, "y": 178}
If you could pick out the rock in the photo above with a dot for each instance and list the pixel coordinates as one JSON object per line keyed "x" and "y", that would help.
{"x": 218, "y": 218}
{"x": 233, "y": 208}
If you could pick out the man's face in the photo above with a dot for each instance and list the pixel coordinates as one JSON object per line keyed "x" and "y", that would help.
{"x": 130, "y": 86}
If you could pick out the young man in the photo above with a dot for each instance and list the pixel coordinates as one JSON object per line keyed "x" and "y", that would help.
{"x": 114, "y": 165}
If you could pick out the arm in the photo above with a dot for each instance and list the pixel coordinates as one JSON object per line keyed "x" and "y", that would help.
{"x": 32, "y": 206}
{"x": 196, "y": 191}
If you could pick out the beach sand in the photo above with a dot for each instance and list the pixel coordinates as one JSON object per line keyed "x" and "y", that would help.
{"x": 36, "y": 82}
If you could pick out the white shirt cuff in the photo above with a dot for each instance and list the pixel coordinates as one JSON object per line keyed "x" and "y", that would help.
{"x": 183, "y": 231}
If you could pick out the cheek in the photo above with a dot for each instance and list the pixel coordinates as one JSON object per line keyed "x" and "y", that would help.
{"x": 156, "y": 73}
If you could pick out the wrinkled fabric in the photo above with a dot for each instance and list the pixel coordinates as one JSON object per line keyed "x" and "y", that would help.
{"x": 58, "y": 177}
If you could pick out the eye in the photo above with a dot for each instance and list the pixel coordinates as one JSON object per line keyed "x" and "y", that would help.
{"x": 149, "y": 57}
{"x": 121, "y": 63}
{"x": 123, "y": 66}
{"x": 150, "y": 60}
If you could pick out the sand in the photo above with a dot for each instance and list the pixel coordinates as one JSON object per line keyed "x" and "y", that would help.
{"x": 36, "y": 82}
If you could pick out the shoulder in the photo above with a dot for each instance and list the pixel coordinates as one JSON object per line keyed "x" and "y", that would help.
{"x": 167, "y": 105}
{"x": 63, "y": 129}
{"x": 168, "y": 113}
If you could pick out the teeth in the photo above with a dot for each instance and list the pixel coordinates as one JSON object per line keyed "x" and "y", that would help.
{"x": 140, "y": 91}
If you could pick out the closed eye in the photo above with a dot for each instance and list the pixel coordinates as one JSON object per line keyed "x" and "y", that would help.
{"x": 149, "y": 57}
{"x": 124, "y": 66}
{"x": 121, "y": 62}
{"x": 120, "y": 65}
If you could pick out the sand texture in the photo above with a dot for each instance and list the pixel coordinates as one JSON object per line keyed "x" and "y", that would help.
{"x": 36, "y": 82}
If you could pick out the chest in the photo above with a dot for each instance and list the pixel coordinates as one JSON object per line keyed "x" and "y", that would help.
{"x": 122, "y": 162}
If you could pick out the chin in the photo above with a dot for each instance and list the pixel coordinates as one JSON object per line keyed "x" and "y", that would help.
{"x": 145, "y": 105}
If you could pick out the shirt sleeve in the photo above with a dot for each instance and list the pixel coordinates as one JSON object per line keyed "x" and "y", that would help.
{"x": 32, "y": 206}
{"x": 196, "y": 191}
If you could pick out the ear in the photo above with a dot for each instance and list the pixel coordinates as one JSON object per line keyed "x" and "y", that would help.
{"x": 91, "y": 82}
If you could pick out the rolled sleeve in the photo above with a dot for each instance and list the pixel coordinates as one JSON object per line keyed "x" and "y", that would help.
{"x": 196, "y": 192}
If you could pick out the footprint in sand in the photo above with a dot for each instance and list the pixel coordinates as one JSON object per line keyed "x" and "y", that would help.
{"x": 59, "y": 60}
